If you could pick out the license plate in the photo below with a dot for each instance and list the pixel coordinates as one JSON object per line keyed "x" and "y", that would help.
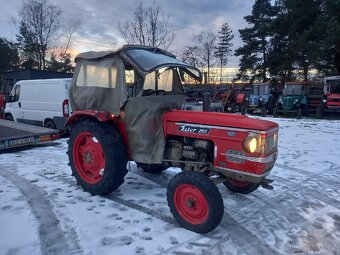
{"x": 21, "y": 141}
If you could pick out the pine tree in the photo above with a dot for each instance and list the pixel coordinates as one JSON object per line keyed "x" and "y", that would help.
{"x": 223, "y": 49}
{"x": 255, "y": 50}
{"x": 294, "y": 42}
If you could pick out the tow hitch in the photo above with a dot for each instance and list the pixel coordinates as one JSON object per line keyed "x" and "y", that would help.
{"x": 266, "y": 184}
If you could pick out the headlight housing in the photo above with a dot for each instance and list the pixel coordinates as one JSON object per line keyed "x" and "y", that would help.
{"x": 250, "y": 144}
{"x": 324, "y": 100}
{"x": 261, "y": 143}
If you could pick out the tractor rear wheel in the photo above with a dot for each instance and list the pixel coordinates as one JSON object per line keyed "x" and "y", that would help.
{"x": 299, "y": 113}
{"x": 154, "y": 169}
{"x": 275, "y": 112}
{"x": 242, "y": 187}
{"x": 97, "y": 156}
{"x": 195, "y": 202}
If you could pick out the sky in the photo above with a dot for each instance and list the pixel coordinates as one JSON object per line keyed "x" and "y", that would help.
{"x": 99, "y": 20}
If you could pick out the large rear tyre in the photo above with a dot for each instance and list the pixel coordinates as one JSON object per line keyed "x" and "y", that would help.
{"x": 195, "y": 202}
{"x": 275, "y": 112}
{"x": 299, "y": 113}
{"x": 240, "y": 186}
{"x": 97, "y": 157}
{"x": 154, "y": 169}
{"x": 319, "y": 112}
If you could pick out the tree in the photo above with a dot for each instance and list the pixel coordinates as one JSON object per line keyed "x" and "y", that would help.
{"x": 254, "y": 52}
{"x": 223, "y": 49}
{"x": 327, "y": 29}
{"x": 9, "y": 57}
{"x": 147, "y": 27}
{"x": 60, "y": 63}
{"x": 294, "y": 41}
{"x": 190, "y": 55}
{"x": 38, "y": 26}
{"x": 207, "y": 45}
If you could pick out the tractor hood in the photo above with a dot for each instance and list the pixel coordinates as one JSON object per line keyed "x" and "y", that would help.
{"x": 218, "y": 119}
{"x": 333, "y": 96}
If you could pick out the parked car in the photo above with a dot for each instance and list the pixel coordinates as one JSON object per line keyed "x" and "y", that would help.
{"x": 40, "y": 102}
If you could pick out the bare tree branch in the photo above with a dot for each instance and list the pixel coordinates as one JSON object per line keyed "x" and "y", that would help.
{"x": 147, "y": 27}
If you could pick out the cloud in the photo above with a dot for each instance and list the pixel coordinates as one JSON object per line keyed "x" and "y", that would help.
{"x": 99, "y": 19}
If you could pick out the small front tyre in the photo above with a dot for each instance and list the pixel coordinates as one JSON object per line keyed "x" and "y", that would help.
{"x": 97, "y": 156}
{"x": 242, "y": 187}
{"x": 195, "y": 202}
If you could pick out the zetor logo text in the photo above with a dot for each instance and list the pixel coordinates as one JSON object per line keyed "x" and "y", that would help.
{"x": 191, "y": 129}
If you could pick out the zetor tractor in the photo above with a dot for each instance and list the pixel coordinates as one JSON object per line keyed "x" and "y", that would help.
{"x": 331, "y": 96}
{"x": 126, "y": 108}
{"x": 261, "y": 99}
{"x": 293, "y": 99}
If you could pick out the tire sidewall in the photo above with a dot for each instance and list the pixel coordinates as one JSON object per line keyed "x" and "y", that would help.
{"x": 102, "y": 187}
{"x": 211, "y": 194}
{"x": 242, "y": 190}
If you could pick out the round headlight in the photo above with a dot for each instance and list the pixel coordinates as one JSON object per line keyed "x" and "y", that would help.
{"x": 261, "y": 98}
{"x": 250, "y": 144}
{"x": 324, "y": 100}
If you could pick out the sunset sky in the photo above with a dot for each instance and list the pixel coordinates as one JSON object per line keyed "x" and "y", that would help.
{"x": 99, "y": 20}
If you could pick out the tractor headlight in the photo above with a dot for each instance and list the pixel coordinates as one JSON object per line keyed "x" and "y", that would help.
{"x": 324, "y": 100}
{"x": 250, "y": 144}
{"x": 261, "y": 98}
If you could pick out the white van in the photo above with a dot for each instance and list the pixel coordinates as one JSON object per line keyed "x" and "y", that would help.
{"x": 39, "y": 102}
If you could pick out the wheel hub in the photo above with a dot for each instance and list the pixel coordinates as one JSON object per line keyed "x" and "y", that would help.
{"x": 190, "y": 203}
{"x": 88, "y": 157}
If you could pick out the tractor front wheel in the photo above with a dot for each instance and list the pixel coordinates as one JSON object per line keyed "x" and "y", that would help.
{"x": 195, "y": 202}
{"x": 97, "y": 156}
{"x": 242, "y": 187}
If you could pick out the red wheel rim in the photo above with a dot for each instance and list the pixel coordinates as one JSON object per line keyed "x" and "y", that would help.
{"x": 191, "y": 204}
{"x": 236, "y": 183}
{"x": 89, "y": 159}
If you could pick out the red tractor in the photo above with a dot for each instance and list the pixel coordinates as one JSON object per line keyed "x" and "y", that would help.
{"x": 127, "y": 107}
{"x": 331, "y": 96}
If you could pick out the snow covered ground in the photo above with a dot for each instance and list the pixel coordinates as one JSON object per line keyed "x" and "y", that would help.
{"x": 43, "y": 211}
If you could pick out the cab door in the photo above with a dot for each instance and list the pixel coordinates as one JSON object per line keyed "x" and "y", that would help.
{"x": 13, "y": 106}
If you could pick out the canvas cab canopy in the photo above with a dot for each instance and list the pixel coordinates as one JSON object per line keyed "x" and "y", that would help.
{"x": 143, "y": 82}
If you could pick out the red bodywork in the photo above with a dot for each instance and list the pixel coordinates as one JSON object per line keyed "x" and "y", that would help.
{"x": 333, "y": 101}
{"x": 227, "y": 132}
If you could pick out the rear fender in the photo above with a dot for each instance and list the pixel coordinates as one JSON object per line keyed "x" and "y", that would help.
{"x": 101, "y": 117}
